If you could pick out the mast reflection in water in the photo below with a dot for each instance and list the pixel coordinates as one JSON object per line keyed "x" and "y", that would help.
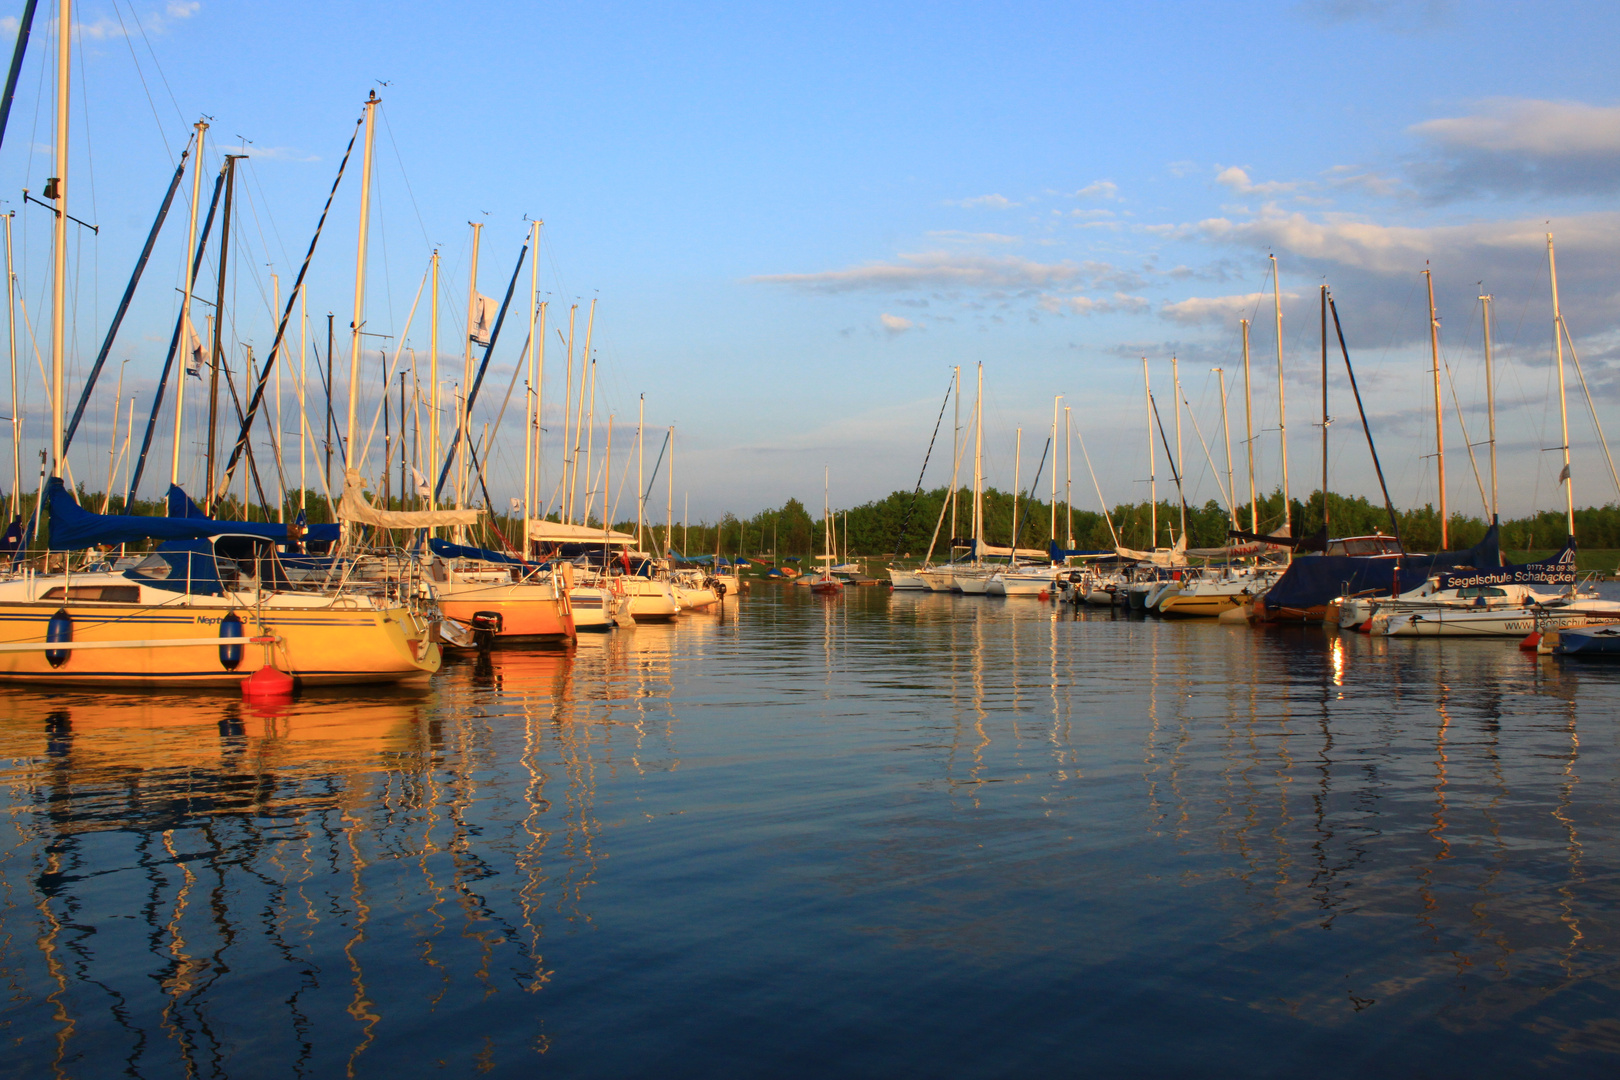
{"x": 872, "y": 835}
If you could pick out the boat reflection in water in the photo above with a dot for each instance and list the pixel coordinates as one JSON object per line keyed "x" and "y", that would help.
{"x": 201, "y": 886}
{"x": 970, "y": 838}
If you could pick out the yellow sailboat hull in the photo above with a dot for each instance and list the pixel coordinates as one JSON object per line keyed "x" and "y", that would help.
{"x": 163, "y": 645}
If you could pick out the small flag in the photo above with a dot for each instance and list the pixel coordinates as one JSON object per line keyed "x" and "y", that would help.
{"x": 517, "y": 505}
{"x": 482, "y": 320}
{"x": 1563, "y": 474}
{"x": 422, "y": 488}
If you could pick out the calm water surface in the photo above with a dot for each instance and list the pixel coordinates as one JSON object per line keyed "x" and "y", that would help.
{"x": 870, "y": 836}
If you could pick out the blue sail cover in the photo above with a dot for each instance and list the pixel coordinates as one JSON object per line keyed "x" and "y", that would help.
{"x": 1057, "y": 554}
{"x": 444, "y": 549}
{"x": 1558, "y": 570}
{"x": 74, "y": 528}
{"x": 1315, "y": 580}
{"x": 180, "y": 505}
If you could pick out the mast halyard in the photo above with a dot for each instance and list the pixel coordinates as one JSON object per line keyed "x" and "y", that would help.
{"x": 186, "y": 333}
{"x": 1226, "y": 428}
{"x": 216, "y": 353}
{"x": 433, "y": 379}
{"x": 464, "y": 413}
{"x": 349, "y": 461}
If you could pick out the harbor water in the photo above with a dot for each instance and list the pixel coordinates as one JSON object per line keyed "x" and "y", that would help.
{"x": 871, "y": 835}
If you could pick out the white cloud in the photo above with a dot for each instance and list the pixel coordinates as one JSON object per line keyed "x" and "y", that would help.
{"x": 1098, "y": 189}
{"x": 1518, "y": 145}
{"x": 895, "y": 324}
{"x": 110, "y": 28}
{"x": 1217, "y": 309}
{"x": 984, "y": 202}
{"x": 1088, "y": 305}
{"x": 956, "y": 236}
{"x": 943, "y": 269}
{"x": 1238, "y": 180}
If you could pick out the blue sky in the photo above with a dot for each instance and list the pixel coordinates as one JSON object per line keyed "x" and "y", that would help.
{"x": 795, "y": 220}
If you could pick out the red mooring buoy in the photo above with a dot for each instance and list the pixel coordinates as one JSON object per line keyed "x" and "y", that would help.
{"x": 1530, "y": 643}
{"x": 267, "y": 682}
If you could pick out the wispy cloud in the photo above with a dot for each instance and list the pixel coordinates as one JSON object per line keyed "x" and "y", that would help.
{"x": 957, "y": 236}
{"x": 1224, "y": 310}
{"x": 1092, "y": 305}
{"x": 1399, "y": 15}
{"x": 109, "y": 28}
{"x": 1098, "y": 189}
{"x": 1237, "y": 179}
{"x": 896, "y": 324}
{"x": 984, "y": 202}
{"x": 950, "y": 269}
{"x": 1514, "y": 146}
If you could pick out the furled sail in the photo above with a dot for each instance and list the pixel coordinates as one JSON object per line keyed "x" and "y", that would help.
{"x": 354, "y": 507}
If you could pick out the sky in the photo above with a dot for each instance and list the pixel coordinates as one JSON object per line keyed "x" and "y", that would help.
{"x": 795, "y": 222}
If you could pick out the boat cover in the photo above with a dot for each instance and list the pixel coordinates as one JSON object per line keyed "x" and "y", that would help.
{"x": 180, "y": 505}
{"x": 444, "y": 549}
{"x": 1315, "y": 580}
{"x": 74, "y": 528}
{"x": 556, "y": 532}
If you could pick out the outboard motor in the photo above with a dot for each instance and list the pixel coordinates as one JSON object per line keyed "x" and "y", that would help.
{"x": 485, "y": 625}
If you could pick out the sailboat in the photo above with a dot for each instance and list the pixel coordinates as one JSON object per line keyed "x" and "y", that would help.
{"x": 826, "y": 581}
{"x": 207, "y": 608}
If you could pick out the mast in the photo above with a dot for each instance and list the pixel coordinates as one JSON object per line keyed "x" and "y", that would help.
{"x": 464, "y": 417}
{"x": 539, "y": 401}
{"x": 433, "y": 376}
{"x": 1153, "y": 483}
{"x": 529, "y": 386}
{"x": 303, "y": 373}
{"x": 57, "y": 190}
{"x": 360, "y": 283}
{"x": 330, "y": 419}
{"x": 16, "y": 422}
{"x": 217, "y": 353}
{"x": 1490, "y": 393}
{"x": 579, "y": 415}
{"x": 607, "y": 478}
{"x": 1325, "y": 419}
{"x": 1248, "y": 432}
{"x": 669, "y": 506}
{"x": 588, "y": 365}
{"x": 1439, "y": 426}
{"x": 112, "y": 443}
{"x": 1068, "y": 476}
{"x": 568, "y": 420}
{"x": 1226, "y": 428}
{"x": 185, "y": 302}
{"x": 956, "y": 437}
{"x": 1282, "y": 410}
{"x": 1181, "y": 460}
{"x": 1018, "y": 461}
{"x": 978, "y": 468}
{"x": 641, "y": 458}
{"x": 1566, "y": 478}
{"x": 1055, "y": 403}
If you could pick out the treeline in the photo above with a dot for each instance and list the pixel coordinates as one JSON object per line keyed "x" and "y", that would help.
{"x": 904, "y": 525}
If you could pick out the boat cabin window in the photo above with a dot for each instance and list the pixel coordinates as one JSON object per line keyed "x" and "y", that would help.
{"x": 116, "y": 594}
{"x": 1470, "y": 592}
{"x": 245, "y": 558}
{"x": 1365, "y": 546}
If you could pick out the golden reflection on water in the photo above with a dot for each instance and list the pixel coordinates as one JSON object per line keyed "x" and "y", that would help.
{"x": 1272, "y": 795}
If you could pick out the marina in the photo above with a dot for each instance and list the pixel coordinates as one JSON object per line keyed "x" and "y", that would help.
{"x": 824, "y": 834}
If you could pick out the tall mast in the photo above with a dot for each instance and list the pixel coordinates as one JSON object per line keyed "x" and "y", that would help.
{"x": 1439, "y": 415}
{"x": 1566, "y": 477}
{"x": 1490, "y": 394}
{"x": 216, "y": 354}
{"x": 568, "y": 420}
{"x": 1057, "y": 401}
{"x": 433, "y": 378}
{"x": 1226, "y": 428}
{"x": 607, "y": 477}
{"x": 1153, "y": 483}
{"x": 1181, "y": 460}
{"x": 58, "y": 194}
{"x": 360, "y": 283}
{"x": 1282, "y": 409}
{"x": 588, "y": 365}
{"x": 16, "y": 422}
{"x": 579, "y": 416}
{"x": 669, "y": 507}
{"x": 303, "y": 373}
{"x": 1325, "y": 418}
{"x": 529, "y": 386}
{"x": 641, "y": 421}
{"x": 1248, "y": 432}
{"x": 185, "y": 303}
{"x": 1018, "y": 460}
{"x": 539, "y": 401}
{"x": 978, "y": 467}
{"x": 464, "y": 419}
{"x": 1068, "y": 478}
{"x": 956, "y": 437}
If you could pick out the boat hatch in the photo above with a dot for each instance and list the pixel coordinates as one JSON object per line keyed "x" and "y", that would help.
{"x": 118, "y": 594}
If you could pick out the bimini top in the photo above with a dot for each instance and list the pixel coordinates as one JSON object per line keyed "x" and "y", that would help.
{"x": 556, "y": 532}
